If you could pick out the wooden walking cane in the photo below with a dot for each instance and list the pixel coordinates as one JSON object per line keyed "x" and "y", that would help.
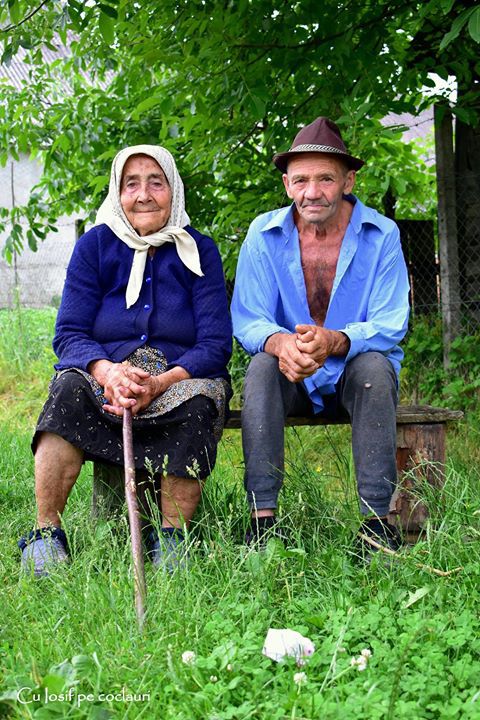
{"x": 134, "y": 518}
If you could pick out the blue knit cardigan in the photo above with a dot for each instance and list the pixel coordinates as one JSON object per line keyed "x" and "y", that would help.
{"x": 183, "y": 315}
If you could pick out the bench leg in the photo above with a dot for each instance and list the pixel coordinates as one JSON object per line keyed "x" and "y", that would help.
{"x": 420, "y": 456}
{"x": 108, "y": 493}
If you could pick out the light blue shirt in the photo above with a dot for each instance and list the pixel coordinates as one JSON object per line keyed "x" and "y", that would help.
{"x": 369, "y": 300}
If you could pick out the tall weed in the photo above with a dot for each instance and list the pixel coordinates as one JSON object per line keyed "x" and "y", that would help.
{"x": 26, "y": 361}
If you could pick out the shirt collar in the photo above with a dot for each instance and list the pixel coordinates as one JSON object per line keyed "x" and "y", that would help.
{"x": 363, "y": 215}
{"x": 282, "y": 219}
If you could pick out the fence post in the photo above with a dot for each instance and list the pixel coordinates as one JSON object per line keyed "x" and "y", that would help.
{"x": 447, "y": 228}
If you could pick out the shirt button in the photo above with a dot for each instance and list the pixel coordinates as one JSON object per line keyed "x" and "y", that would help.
{"x": 143, "y": 337}
{"x": 146, "y": 307}
{"x": 149, "y": 279}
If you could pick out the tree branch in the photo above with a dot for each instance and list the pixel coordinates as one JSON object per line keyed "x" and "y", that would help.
{"x": 398, "y": 556}
{"x": 315, "y": 42}
{"x": 25, "y": 19}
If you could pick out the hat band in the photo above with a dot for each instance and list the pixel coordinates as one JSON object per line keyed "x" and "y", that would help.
{"x": 318, "y": 148}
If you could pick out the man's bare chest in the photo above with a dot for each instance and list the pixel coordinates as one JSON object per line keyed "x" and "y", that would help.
{"x": 319, "y": 265}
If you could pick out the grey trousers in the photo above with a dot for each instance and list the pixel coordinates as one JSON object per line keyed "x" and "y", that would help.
{"x": 366, "y": 392}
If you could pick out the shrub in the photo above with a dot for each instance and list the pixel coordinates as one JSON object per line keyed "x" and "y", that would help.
{"x": 424, "y": 378}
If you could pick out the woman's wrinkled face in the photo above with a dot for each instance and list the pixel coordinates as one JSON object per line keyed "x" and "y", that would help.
{"x": 145, "y": 194}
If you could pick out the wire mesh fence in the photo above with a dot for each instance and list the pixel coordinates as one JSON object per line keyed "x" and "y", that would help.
{"x": 35, "y": 279}
{"x": 420, "y": 241}
{"x": 468, "y": 240}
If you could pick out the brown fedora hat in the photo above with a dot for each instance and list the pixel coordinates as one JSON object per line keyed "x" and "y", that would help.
{"x": 321, "y": 136}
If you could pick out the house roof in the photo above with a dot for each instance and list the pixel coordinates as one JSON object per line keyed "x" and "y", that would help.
{"x": 16, "y": 72}
{"x": 417, "y": 127}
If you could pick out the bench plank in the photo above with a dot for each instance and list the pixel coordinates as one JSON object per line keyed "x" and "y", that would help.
{"x": 406, "y": 415}
{"x": 421, "y": 439}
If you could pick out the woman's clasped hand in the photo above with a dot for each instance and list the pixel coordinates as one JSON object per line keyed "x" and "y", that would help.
{"x": 128, "y": 386}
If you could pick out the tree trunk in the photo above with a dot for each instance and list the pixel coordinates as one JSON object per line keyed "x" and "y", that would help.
{"x": 447, "y": 229}
{"x": 467, "y": 166}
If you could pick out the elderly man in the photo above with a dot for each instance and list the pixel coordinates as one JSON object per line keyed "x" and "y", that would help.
{"x": 321, "y": 302}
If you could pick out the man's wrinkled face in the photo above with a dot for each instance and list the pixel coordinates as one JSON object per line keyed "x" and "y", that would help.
{"x": 145, "y": 194}
{"x": 316, "y": 183}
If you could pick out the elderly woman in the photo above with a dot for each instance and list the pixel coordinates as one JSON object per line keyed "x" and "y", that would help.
{"x": 143, "y": 324}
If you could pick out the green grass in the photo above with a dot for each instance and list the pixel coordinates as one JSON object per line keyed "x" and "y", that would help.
{"x": 75, "y": 633}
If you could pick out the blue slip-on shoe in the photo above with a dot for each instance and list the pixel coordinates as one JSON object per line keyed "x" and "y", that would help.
{"x": 43, "y": 550}
{"x": 167, "y": 551}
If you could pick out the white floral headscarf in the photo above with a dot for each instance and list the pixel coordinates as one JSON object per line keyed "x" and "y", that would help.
{"x": 112, "y": 214}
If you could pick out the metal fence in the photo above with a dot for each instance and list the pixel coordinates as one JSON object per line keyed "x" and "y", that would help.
{"x": 421, "y": 249}
{"x": 35, "y": 279}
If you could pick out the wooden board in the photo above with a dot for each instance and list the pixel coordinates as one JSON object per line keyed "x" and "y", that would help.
{"x": 421, "y": 431}
{"x": 406, "y": 415}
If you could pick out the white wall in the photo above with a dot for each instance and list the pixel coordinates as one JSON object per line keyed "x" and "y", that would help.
{"x": 38, "y": 276}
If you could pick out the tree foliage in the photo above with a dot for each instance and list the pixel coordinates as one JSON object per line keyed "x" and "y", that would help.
{"x": 223, "y": 85}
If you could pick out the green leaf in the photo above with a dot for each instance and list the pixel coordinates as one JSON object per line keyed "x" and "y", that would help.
{"x": 456, "y": 28}
{"x": 99, "y": 183}
{"x": 54, "y": 682}
{"x": 8, "y": 53}
{"x": 449, "y": 38}
{"x": 146, "y": 104}
{"x": 107, "y": 28}
{"x": 474, "y": 25}
{"x": 259, "y": 105}
{"x": 7, "y": 251}
{"x": 84, "y": 665}
{"x": 318, "y": 620}
{"x": 235, "y": 682}
{"x": 466, "y": 116}
{"x": 108, "y": 10}
{"x": 400, "y": 185}
{"x": 14, "y": 9}
{"x": 9, "y": 695}
{"x": 414, "y": 597}
{"x": 446, "y": 6}
{"x": 32, "y": 241}
{"x": 98, "y": 712}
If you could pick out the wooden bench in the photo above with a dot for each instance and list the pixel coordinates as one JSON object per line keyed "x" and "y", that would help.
{"x": 421, "y": 435}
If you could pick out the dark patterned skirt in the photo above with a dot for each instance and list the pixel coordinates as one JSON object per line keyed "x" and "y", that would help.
{"x": 179, "y": 436}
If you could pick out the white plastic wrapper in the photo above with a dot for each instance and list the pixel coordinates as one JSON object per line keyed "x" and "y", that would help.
{"x": 280, "y": 644}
